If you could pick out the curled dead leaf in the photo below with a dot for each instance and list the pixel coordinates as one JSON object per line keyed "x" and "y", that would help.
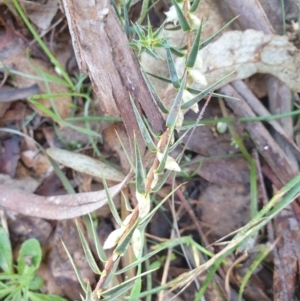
{"x": 85, "y": 164}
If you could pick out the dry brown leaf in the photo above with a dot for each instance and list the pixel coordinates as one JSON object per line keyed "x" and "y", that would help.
{"x": 250, "y": 52}
{"x": 85, "y": 164}
{"x": 41, "y": 14}
{"x": 55, "y": 207}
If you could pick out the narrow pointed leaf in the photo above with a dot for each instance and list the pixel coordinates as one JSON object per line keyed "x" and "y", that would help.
{"x": 77, "y": 272}
{"x": 177, "y": 52}
{"x": 87, "y": 251}
{"x": 181, "y": 18}
{"x": 195, "y": 49}
{"x": 158, "y": 31}
{"x": 111, "y": 203}
{"x": 162, "y": 163}
{"x": 194, "y": 6}
{"x": 198, "y": 97}
{"x": 161, "y": 181}
{"x": 172, "y": 69}
{"x": 211, "y": 38}
{"x": 155, "y": 95}
{"x": 127, "y": 203}
{"x": 144, "y": 131}
{"x": 125, "y": 152}
{"x": 171, "y": 119}
{"x": 125, "y": 240}
{"x": 140, "y": 172}
{"x": 91, "y": 229}
{"x": 164, "y": 79}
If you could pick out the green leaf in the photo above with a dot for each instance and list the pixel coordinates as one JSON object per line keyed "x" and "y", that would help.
{"x": 144, "y": 131}
{"x": 36, "y": 283}
{"x": 164, "y": 79}
{"x": 210, "y": 39}
{"x": 91, "y": 229}
{"x": 173, "y": 73}
{"x": 198, "y": 97}
{"x": 194, "y": 6}
{"x": 140, "y": 171}
{"x": 177, "y": 52}
{"x": 77, "y": 272}
{"x": 87, "y": 251}
{"x": 172, "y": 116}
{"x": 195, "y": 49}
{"x": 30, "y": 256}
{"x": 154, "y": 94}
{"x": 5, "y": 253}
{"x": 181, "y": 18}
{"x": 125, "y": 240}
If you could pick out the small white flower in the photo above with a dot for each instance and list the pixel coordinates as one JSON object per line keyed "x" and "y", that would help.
{"x": 144, "y": 204}
{"x": 195, "y": 21}
{"x": 172, "y": 14}
{"x": 187, "y": 96}
{"x": 198, "y": 77}
{"x": 171, "y": 164}
{"x": 136, "y": 242}
{"x": 113, "y": 238}
{"x": 179, "y": 119}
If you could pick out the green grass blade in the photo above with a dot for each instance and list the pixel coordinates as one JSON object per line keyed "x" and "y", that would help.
{"x": 42, "y": 44}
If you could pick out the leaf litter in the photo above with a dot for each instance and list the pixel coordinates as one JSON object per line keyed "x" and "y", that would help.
{"x": 218, "y": 192}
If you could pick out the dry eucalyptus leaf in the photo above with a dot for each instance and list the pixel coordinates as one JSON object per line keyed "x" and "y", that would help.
{"x": 55, "y": 207}
{"x": 251, "y": 52}
{"x": 85, "y": 164}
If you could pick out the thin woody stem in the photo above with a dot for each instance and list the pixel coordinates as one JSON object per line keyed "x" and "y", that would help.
{"x": 113, "y": 258}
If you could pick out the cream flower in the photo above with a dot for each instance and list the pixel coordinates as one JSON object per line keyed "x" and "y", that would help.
{"x": 171, "y": 164}
{"x": 113, "y": 238}
{"x": 187, "y": 96}
{"x": 172, "y": 14}
{"x": 136, "y": 242}
{"x": 198, "y": 77}
{"x": 144, "y": 204}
